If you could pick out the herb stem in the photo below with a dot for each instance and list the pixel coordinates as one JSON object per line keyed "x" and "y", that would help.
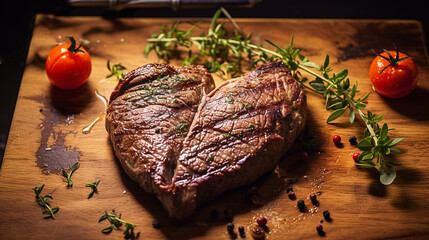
{"x": 48, "y": 208}
{"x": 368, "y": 126}
{"x": 254, "y": 48}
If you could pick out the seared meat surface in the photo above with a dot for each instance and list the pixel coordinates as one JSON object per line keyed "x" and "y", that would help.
{"x": 149, "y": 114}
{"x": 228, "y": 138}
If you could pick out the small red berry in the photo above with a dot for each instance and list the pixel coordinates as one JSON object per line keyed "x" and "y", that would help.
{"x": 262, "y": 221}
{"x": 356, "y": 157}
{"x": 220, "y": 60}
{"x": 336, "y": 139}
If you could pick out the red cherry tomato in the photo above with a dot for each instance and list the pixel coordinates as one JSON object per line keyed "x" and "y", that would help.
{"x": 68, "y": 66}
{"x": 393, "y": 74}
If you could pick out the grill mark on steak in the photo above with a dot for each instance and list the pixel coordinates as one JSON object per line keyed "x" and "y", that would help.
{"x": 195, "y": 149}
{"x": 238, "y": 134}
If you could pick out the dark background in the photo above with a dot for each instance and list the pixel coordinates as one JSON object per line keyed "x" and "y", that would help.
{"x": 17, "y": 19}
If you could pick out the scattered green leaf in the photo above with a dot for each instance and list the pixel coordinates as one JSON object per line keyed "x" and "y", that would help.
{"x": 43, "y": 201}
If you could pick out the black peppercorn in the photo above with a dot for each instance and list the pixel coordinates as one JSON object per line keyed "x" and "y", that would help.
{"x": 301, "y": 205}
{"x": 156, "y": 224}
{"x": 319, "y": 229}
{"x": 291, "y": 195}
{"x": 289, "y": 189}
{"x": 230, "y": 227}
{"x": 353, "y": 140}
{"x": 327, "y": 215}
{"x": 313, "y": 198}
{"x": 241, "y": 231}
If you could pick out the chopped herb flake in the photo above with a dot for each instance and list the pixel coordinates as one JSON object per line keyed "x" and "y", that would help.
{"x": 247, "y": 105}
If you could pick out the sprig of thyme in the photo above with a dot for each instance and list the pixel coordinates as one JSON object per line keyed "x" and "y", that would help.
{"x": 115, "y": 70}
{"x": 227, "y": 53}
{"x": 115, "y": 222}
{"x": 43, "y": 201}
{"x": 93, "y": 186}
{"x": 69, "y": 174}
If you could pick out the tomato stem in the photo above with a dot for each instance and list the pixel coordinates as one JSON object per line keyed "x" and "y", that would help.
{"x": 73, "y": 49}
{"x": 392, "y": 60}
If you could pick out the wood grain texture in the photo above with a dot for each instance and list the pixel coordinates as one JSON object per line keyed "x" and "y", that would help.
{"x": 47, "y": 127}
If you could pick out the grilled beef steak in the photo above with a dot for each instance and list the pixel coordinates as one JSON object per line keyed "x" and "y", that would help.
{"x": 206, "y": 144}
{"x": 149, "y": 114}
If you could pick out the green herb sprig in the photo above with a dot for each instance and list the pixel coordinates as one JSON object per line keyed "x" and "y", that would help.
{"x": 93, "y": 186}
{"x": 69, "y": 174}
{"x": 115, "y": 222}
{"x": 227, "y": 53}
{"x": 43, "y": 201}
{"x": 115, "y": 70}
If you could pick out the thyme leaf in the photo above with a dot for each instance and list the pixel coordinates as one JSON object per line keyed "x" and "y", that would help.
{"x": 69, "y": 174}
{"x": 43, "y": 201}
{"x": 93, "y": 186}
{"x": 115, "y": 222}
{"x": 115, "y": 70}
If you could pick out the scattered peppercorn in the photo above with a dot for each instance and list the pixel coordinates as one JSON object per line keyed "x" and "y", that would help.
{"x": 304, "y": 155}
{"x": 156, "y": 224}
{"x": 353, "y": 140}
{"x": 230, "y": 227}
{"x": 262, "y": 221}
{"x": 327, "y": 215}
{"x": 241, "y": 231}
{"x": 313, "y": 198}
{"x": 319, "y": 229}
{"x": 336, "y": 139}
{"x": 289, "y": 189}
{"x": 356, "y": 157}
{"x": 291, "y": 195}
{"x": 301, "y": 205}
{"x": 257, "y": 233}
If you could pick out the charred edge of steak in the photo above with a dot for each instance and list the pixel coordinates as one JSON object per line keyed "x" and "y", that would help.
{"x": 237, "y": 136}
{"x": 155, "y": 71}
{"x": 138, "y": 75}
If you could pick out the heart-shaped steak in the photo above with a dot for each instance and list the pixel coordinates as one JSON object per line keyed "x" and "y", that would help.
{"x": 190, "y": 150}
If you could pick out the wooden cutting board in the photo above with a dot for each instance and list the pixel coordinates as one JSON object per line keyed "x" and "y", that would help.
{"x": 46, "y": 134}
